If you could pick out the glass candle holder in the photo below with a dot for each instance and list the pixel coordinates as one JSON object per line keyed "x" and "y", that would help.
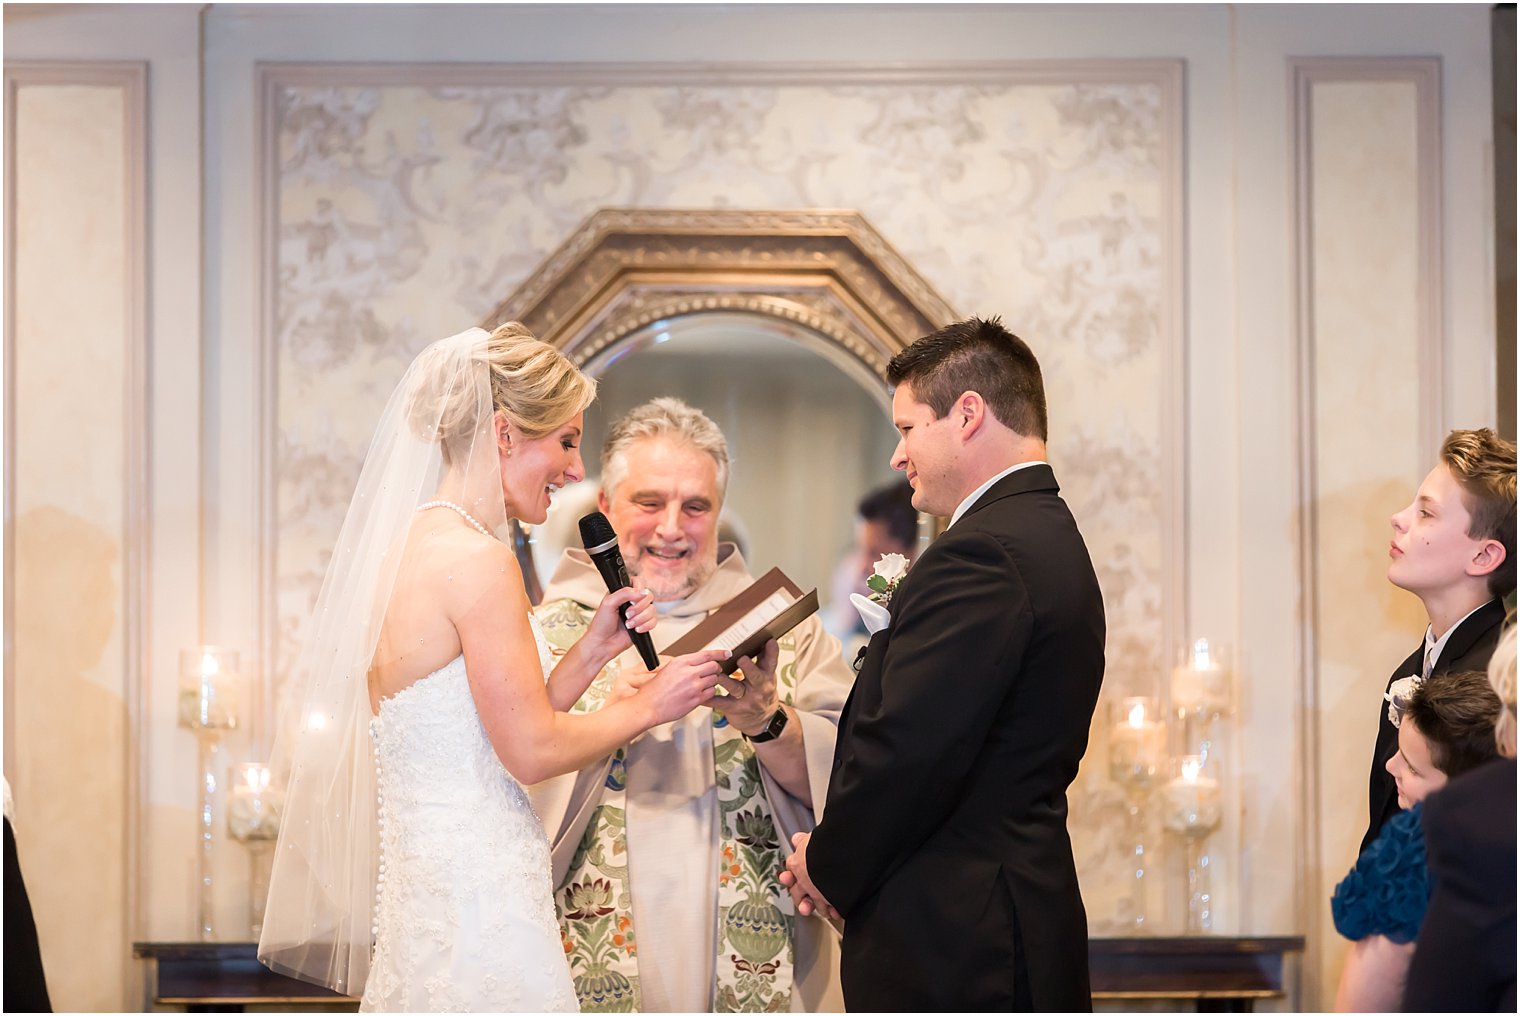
{"x": 1136, "y": 754}
{"x": 1191, "y": 808}
{"x": 1200, "y": 682}
{"x": 1136, "y": 741}
{"x": 253, "y": 814}
{"x": 209, "y": 685}
{"x": 253, "y": 819}
{"x": 1191, "y": 800}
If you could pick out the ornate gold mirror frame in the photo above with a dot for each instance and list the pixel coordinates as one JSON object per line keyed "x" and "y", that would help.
{"x": 625, "y": 269}
{"x": 827, "y": 270}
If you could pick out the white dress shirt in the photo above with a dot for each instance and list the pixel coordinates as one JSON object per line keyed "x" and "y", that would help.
{"x": 1434, "y": 646}
{"x": 978, "y": 492}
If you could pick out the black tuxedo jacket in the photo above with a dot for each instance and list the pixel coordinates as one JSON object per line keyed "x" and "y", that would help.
{"x": 1469, "y": 648}
{"x": 943, "y": 840}
{"x": 1464, "y": 960}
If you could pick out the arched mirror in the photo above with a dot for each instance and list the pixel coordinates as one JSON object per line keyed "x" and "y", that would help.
{"x": 778, "y": 325}
{"x": 809, "y": 435}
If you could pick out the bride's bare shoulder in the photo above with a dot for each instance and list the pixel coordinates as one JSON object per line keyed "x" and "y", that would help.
{"x": 458, "y": 562}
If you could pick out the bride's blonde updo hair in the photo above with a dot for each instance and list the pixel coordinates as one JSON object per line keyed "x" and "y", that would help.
{"x": 531, "y": 383}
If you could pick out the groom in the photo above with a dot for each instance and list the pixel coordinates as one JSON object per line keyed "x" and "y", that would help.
{"x": 943, "y": 842}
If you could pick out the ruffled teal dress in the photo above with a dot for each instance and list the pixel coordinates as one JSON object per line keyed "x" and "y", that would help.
{"x": 1386, "y": 893}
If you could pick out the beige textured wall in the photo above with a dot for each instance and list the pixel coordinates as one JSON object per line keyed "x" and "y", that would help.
{"x": 69, "y": 728}
{"x": 1365, "y": 318}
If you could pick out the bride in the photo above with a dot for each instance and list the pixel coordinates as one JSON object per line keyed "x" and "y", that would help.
{"x": 431, "y": 698}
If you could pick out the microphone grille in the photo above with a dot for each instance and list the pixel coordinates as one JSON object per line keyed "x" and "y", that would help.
{"x": 596, "y": 530}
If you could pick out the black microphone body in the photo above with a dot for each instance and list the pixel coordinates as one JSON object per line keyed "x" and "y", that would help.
{"x": 602, "y": 545}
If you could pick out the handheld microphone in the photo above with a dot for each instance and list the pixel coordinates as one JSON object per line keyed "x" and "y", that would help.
{"x": 602, "y": 544}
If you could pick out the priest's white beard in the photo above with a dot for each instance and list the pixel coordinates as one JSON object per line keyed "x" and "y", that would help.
{"x": 669, "y": 588}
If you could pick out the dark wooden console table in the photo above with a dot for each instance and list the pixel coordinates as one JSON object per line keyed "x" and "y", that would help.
{"x": 223, "y": 976}
{"x": 1214, "y": 973}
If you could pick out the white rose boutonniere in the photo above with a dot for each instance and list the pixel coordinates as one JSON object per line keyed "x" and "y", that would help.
{"x": 886, "y": 575}
{"x": 889, "y": 571}
{"x": 1398, "y": 695}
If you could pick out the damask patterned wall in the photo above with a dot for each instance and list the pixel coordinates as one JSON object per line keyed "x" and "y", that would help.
{"x": 406, "y": 212}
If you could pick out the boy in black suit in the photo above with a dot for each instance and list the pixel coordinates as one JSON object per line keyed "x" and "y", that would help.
{"x": 1454, "y": 548}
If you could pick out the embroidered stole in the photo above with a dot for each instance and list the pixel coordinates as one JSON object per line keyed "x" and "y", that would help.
{"x": 755, "y": 913}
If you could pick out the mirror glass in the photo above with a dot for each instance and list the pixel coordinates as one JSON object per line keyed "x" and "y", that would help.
{"x": 809, "y": 433}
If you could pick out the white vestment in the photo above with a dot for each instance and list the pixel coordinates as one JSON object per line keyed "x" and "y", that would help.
{"x": 673, "y": 841}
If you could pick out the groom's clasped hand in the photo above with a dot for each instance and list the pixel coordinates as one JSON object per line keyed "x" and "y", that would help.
{"x": 805, "y": 894}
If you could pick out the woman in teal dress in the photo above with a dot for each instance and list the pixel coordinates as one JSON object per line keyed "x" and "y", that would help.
{"x": 1446, "y": 727}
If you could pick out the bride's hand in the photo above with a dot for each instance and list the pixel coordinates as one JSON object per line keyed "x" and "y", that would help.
{"x": 607, "y": 633}
{"x": 682, "y": 684}
{"x": 628, "y": 682}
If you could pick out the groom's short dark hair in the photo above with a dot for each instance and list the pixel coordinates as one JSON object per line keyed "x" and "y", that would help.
{"x": 976, "y": 356}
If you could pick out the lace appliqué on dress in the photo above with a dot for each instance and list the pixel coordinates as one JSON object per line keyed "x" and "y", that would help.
{"x": 464, "y": 914}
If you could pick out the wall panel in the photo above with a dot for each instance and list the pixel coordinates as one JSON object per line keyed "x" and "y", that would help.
{"x": 1370, "y": 307}
{"x": 74, "y": 507}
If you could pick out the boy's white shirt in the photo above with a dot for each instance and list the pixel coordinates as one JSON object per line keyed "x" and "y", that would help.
{"x": 1434, "y": 646}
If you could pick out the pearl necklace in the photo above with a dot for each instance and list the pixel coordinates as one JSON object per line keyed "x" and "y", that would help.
{"x": 462, "y": 514}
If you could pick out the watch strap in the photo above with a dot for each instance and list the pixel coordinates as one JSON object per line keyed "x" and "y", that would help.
{"x": 772, "y": 729}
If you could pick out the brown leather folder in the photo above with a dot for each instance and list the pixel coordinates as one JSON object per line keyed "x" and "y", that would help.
{"x": 767, "y": 609}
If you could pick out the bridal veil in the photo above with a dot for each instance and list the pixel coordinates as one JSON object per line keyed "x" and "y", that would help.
{"x": 438, "y": 422}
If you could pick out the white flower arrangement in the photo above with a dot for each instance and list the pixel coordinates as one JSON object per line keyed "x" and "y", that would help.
{"x": 1398, "y": 695}
{"x": 888, "y": 572}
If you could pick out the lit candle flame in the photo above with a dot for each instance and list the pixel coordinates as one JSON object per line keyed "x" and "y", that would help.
{"x": 316, "y": 721}
{"x": 209, "y": 665}
{"x": 1137, "y": 715}
{"x": 1190, "y": 770}
{"x": 1201, "y": 655}
{"x": 256, "y": 776}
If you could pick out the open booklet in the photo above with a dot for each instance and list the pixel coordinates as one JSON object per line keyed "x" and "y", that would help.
{"x": 767, "y": 609}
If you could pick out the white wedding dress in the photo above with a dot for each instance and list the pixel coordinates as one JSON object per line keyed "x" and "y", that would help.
{"x": 464, "y": 913}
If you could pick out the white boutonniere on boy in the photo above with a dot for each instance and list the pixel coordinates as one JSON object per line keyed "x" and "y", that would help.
{"x": 1398, "y": 695}
{"x": 885, "y": 577}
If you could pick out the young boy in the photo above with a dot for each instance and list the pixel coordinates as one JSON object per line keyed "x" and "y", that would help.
{"x": 1454, "y": 548}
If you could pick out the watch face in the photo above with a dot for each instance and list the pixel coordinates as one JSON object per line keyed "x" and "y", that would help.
{"x": 773, "y": 728}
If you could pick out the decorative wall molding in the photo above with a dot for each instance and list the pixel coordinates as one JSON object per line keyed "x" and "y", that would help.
{"x": 1424, "y": 73}
{"x": 136, "y": 539}
{"x": 1303, "y": 75}
{"x": 1176, "y": 597}
{"x": 972, "y": 72}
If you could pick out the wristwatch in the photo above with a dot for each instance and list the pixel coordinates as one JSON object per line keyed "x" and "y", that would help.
{"x": 772, "y": 729}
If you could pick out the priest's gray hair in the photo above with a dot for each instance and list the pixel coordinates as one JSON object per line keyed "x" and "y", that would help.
{"x": 662, "y": 418}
